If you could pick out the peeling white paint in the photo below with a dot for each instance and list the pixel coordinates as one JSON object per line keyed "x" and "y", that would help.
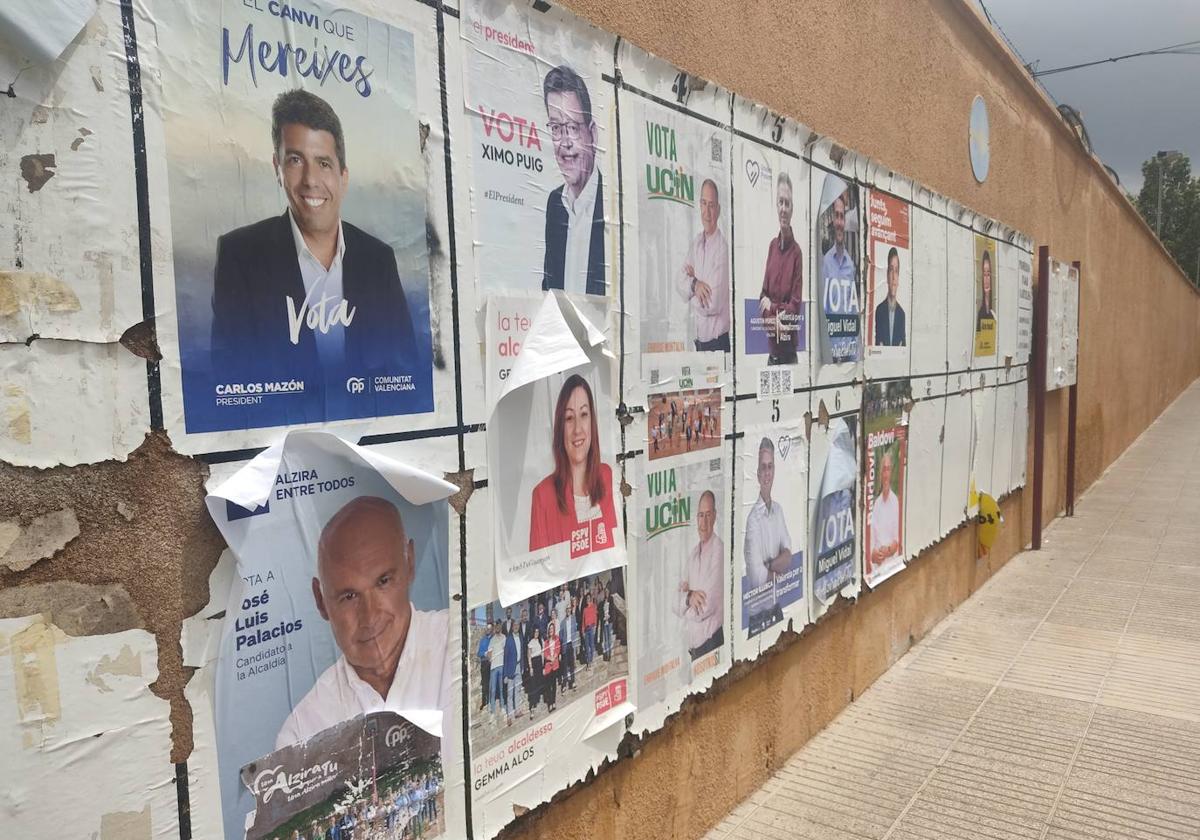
{"x": 70, "y": 402}
{"x": 86, "y": 745}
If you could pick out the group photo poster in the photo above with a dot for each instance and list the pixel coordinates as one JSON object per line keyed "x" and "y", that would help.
{"x": 771, "y": 254}
{"x": 886, "y": 429}
{"x": 553, "y": 441}
{"x": 986, "y": 274}
{"x": 889, "y": 285}
{"x": 336, "y": 638}
{"x": 681, "y": 576}
{"x": 297, "y": 214}
{"x": 679, "y": 166}
{"x": 769, "y": 563}
{"x": 834, "y": 517}
{"x": 836, "y": 238}
{"x": 541, "y": 672}
{"x": 541, "y": 148}
{"x": 683, "y": 408}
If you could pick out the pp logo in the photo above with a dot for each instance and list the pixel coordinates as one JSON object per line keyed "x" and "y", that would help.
{"x": 356, "y": 385}
{"x": 395, "y": 735}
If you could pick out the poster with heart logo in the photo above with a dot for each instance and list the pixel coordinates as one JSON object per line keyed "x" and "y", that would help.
{"x": 773, "y": 534}
{"x": 771, "y": 254}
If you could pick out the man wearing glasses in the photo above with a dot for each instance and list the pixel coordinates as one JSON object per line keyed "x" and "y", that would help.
{"x": 574, "y": 258}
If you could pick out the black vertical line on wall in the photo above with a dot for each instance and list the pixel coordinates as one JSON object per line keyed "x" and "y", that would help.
{"x": 142, "y": 188}
{"x": 623, "y": 410}
{"x": 185, "y": 805}
{"x": 440, "y": 19}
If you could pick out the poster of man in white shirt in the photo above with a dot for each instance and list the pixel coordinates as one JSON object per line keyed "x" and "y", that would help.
{"x": 681, "y": 180}
{"x": 339, "y": 608}
{"x": 681, "y": 577}
{"x": 775, "y": 535}
{"x": 887, "y": 452}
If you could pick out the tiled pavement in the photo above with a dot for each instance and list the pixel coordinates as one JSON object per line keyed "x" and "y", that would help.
{"x": 1061, "y": 701}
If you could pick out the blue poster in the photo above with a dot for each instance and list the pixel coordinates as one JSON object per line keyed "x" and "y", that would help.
{"x": 297, "y": 205}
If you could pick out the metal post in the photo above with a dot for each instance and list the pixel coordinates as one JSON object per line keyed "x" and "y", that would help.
{"x": 1037, "y": 382}
{"x": 1073, "y": 406}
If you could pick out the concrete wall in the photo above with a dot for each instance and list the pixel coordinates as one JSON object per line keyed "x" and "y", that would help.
{"x": 894, "y": 85}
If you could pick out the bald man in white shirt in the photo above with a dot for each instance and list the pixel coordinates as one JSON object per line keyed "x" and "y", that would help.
{"x": 393, "y": 655}
{"x": 701, "y": 602}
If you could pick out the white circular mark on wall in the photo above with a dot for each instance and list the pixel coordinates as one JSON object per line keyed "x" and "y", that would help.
{"x": 978, "y": 140}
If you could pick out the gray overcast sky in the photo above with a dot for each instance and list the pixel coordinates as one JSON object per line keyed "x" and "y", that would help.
{"x": 1131, "y": 108}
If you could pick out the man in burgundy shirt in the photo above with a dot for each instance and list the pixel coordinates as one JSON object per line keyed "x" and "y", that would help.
{"x": 783, "y": 283}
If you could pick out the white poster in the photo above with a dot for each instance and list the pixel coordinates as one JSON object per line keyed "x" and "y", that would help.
{"x": 552, "y": 449}
{"x": 681, "y": 576}
{"x": 541, "y": 149}
{"x": 770, "y": 574}
{"x": 678, "y": 166}
{"x": 336, "y": 638}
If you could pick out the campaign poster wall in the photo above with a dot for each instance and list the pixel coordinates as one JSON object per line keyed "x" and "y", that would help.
{"x": 333, "y": 544}
{"x": 887, "y": 470}
{"x": 836, "y": 230}
{"x": 552, "y": 445}
{"x": 986, "y": 275}
{"x": 679, "y": 169}
{"x": 834, "y": 516}
{"x": 773, "y": 536}
{"x": 542, "y": 173}
{"x": 889, "y": 286}
{"x": 297, "y": 213}
{"x": 681, "y": 573}
{"x": 771, "y": 253}
{"x": 543, "y": 673}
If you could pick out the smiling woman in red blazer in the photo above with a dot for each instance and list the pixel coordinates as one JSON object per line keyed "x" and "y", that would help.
{"x": 574, "y": 503}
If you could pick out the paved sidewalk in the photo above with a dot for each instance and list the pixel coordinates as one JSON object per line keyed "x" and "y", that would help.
{"x": 1061, "y": 701}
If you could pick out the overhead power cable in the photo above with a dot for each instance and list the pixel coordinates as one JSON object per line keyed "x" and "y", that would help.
{"x": 1186, "y": 48}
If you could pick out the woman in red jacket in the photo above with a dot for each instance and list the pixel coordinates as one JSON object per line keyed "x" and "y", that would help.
{"x": 574, "y": 503}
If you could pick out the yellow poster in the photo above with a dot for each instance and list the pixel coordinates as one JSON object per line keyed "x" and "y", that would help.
{"x": 986, "y": 272}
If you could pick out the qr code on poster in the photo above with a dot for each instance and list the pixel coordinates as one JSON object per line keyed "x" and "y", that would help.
{"x": 718, "y": 150}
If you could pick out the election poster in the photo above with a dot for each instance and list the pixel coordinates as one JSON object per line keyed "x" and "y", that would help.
{"x": 886, "y": 427}
{"x": 542, "y": 157}
{"x": 376, "y": 776}
{"x": 772, "y": 526}
{"x": 835, "y": 513}
{"x": 683, "y": 409}
{"x": 543, "y": 673}
{"x": 334, "y": 673}
{"x": 679, "y": 169}
{"x": 837, "y": 259}
{"x": 509, "y": 319}
{"x": 297, "y": 213}
{"x": 986, "y": 273}
{"x": 682, "y": 579}
{"x": 1024, "y": 307}
{"x": 889, "y": 286}
{"x": 771, "y": 254}
{"x": 553, "y": 441}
